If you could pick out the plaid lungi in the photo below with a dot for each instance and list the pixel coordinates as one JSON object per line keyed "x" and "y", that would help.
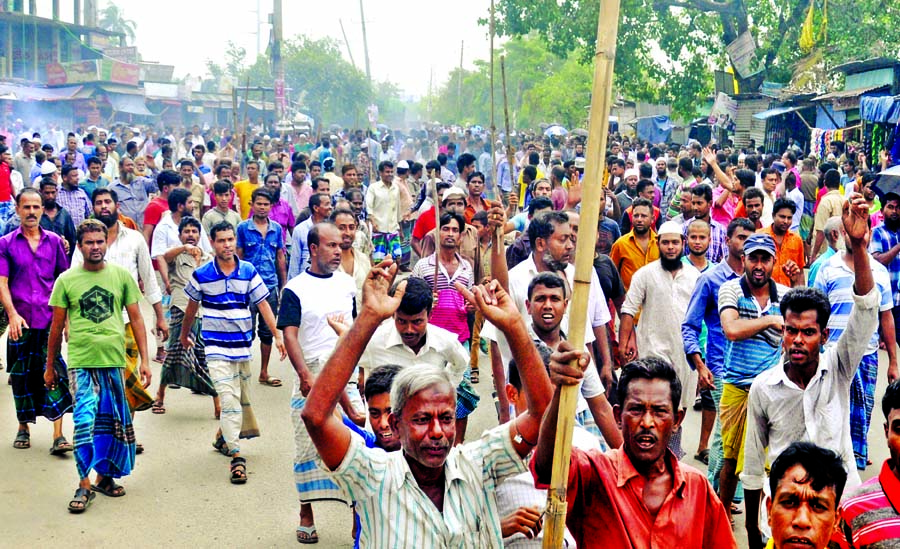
{"x": 406, "y": 228}
{"x": 807, "y": 219}
{"x": 104, "y": 434}
{"x": 27, "y": 358}
{"x": 312, "y": 483}
{"x": 385, "y": 244}
{"x": 186, "y": 367}
{"x": 138, "y": 397}
{"x": 862, "y": 399}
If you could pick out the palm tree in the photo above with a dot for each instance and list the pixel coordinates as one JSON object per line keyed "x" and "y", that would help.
{"x": 113, "y": 19}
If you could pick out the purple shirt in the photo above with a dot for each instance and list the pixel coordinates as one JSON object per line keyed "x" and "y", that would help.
{"x": 31, "y": 274}
{"x": 282, "y": 214}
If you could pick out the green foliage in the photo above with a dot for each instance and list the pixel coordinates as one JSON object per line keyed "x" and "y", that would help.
{"x": 667, "y": 49}
{"x": 541, "y": 88}
{"x": 326, "y": 87}
{"x": 112, "y": 18}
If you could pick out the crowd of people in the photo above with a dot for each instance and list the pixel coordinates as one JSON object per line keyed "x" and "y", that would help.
{"x": 756, "y": 289}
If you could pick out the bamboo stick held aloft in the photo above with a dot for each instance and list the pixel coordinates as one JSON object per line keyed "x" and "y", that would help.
{"x": 607, "y": 27}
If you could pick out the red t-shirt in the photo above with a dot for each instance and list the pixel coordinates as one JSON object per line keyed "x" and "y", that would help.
{"x": 5, "y": 183}
{"x": 155, "y": 210}
{"x": 424, "y": 224}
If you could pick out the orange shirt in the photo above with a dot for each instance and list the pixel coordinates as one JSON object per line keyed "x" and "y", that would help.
{"x": 606, "y": 506}
{"x": 628, "y": 256}
{"x": 470, "y": 210}
{"x": 791, "y": 248}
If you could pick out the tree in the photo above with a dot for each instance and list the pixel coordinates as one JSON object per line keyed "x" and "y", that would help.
{"x": 666, "y": 49}
{"x": 112, "y": 18}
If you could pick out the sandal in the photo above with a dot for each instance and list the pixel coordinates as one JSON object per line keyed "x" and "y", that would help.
{"x": 138, "y": 448}
{"x": 474, "y": 376}
{"x": 238, "y": 470}
{"x": 703, "y": 457}
{"x": 81, "y": 501}
{"x": 271, "y": 381}
{"x": 158, "y": 407}
{"x": 23, "y": 440}
{"x": 109, "y": 488}
{"x": 735, "y": 510}
{"x": 160, "y": 357}
{"x": 60, "y": 446}
{"x": 307, "y": 535}
{"x": 221, "y": 446}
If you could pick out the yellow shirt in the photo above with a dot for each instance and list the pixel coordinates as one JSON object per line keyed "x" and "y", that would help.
{"x": 244, "y": 190}
{"x": 522, "y": 187}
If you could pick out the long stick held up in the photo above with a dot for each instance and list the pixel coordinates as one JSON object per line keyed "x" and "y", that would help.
{"x": 604, "y": 58}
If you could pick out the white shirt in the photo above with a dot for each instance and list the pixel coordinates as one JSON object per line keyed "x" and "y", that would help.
{"x": 383, "y": 206}
{"x": 307, "y": 301}
{"x": 441, "y": 348}
{"x": 663, "y": 301}
{"x": 779, "y": 412}
{"x": 520, "y": 277}
{"x": 796, "y": 196}
{"x": 166, "y": 237}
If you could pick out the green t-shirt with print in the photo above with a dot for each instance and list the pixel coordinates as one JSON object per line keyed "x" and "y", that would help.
{"x": 94, "y": 300}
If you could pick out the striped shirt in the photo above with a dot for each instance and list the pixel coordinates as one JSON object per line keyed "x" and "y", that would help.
{"x": 869, "y": 517}
{"x": 883, "y": 239}
{"x": 450, "y": 311}
{"x": 746, "y": 359}
{"x": 225, "y": 304}
{"x": 395, "y": 512}
{"x": 836, "y": 280}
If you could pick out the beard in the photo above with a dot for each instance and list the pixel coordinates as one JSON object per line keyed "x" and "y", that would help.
{"x": 670, "y": 265}
{"x": 640, "y": 230}
{"x": 109, "y": 219}
{"x": 126, "y": 178}
{"x": 276, "y": 196}
{"x": 554, "y": 265}
{"x": 50, "y": 204}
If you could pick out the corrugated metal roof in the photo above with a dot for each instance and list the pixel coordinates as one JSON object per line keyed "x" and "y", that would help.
{"x": 843, "y": 94}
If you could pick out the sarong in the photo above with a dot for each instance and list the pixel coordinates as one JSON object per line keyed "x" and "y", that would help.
{"x": 716, "y": 457}
{"x": 385, "y": 244}
{"x": 138, "y": 397}
{"x": 186, "y": 367}
{"x": 104, "y": 435}
{"x": 862, "y": 399}
{"x": 231, "y": 380}
{"x": 405, "y": 247}
{"x": 807, "y": 220}
{"x": 27, "y": 358}
{"x": 313, "y": 484}
{"x": 733, "y": 416}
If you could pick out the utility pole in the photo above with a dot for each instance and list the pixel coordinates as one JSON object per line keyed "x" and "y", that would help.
{"x": 277, "y": 61}
{"x": 347, "y": 43}
{"x": 459, "y": 82}
{"x": 362, "y": 16}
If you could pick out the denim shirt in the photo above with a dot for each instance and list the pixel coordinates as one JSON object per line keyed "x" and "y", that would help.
{"x": 260, "y": 250}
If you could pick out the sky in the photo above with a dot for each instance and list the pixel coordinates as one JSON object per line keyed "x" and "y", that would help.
{"x": 402, "y": 48}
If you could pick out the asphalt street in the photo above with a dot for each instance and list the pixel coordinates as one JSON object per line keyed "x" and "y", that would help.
{"x": 179, "y": 494}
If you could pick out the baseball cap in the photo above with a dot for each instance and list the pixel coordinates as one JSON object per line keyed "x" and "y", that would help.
{"x": 670, "y": 227}
{"x": 759, "y": 241}
{"x": 453, "y": 192}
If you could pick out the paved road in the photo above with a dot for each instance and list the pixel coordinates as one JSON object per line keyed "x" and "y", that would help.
{"x": 179, "y": 494}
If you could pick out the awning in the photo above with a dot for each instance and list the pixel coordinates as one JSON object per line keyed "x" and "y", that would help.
{"x": 131, "y": 104}
{"x": 27, "y": 93}
{"x": 775, "y": 112}
{"x": 844, "y": 94}
{"x": 880, "y": 109}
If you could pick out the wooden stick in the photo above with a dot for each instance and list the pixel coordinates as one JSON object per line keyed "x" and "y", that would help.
{"x": 437, "y": 232}
{"x": 496, "y": 189}
{"x": 604, "y": 58}
{"x": 510, "y": 148}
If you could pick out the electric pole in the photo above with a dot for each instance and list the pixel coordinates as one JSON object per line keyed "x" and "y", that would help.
{"x": 277, "y": 61}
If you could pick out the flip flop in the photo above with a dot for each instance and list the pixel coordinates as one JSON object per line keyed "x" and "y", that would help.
{"x": 60, "y": 446}
{"x": 109, "y": 488}
{"x": 84, "y": 497}
{"x": 473, "y": 377}
{"x": 307, "y": 535}
{"x": 271, "y": 381}
{"x": 158, "y": 408}
{"x": 22, "y": 441}
{"x": 703, "y": 457}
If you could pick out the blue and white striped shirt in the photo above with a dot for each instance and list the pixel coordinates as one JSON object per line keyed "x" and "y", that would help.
{"x": 225, "y": 304}
{"x": 836, "y": 280}
{"x": 746, "y": 359}
{"x": 395, "y": 512}
{"x": 882, "y": 241}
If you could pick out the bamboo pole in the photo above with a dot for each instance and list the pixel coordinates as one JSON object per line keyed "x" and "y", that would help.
{"x": 495, "y": 191}
{"x": 604, "y": 59}
{"x": 510, "y": 148}
{"x": 437, "y": 233}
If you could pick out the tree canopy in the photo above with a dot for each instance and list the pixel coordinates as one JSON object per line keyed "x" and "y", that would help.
{"x": 320, "y": 80}
{"x": 667, "y": 49}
